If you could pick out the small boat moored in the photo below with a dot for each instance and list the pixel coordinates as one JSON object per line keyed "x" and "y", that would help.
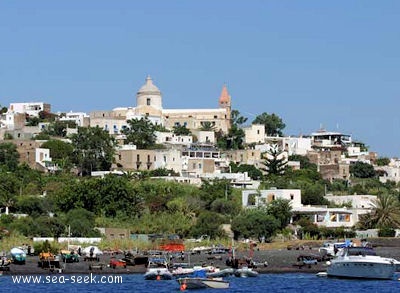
{"x": 245, "y": 272}
{"x": 157, "y": 269}
{"x": 201, "y": 281}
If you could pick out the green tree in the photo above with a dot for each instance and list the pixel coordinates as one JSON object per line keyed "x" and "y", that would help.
{"x": 9, "y": 186}
{"x": 386, "y": 213}
{"x": 41, "y": 226}
{"x": 273, "y": 124}
{"x": 362, "y": 170}
{"x": 59, "y": 128}
{"x": 8, "y": 156}
{"x": 82, "y": 223}
{"x": 304, "y": 162}
{"x": 181, "y": 130}
{"x": 32, "y": 121}
{"x": 382, "y": 161}
{"x": 234, "y": 138}
{"x": 3, "y": 110}
{"x": 253, "y": 172}
{"x": 225, "y": 207}
{"x": 31, "y": 205}
{"x": 59, "y": 150}
{"x": 208, "y": 223}
{"x": 94, "y": 150}
{"x": 281, "y": 210}
{"x": 41, "y": 136}
{"x": 254, "y": 223}
{"x": 211, "y": 190}
{"x": 275, "y": 162}
{"x": 140, "y": 132}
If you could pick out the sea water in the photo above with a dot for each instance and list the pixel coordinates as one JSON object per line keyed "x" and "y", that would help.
{"x": 293, "y": 282}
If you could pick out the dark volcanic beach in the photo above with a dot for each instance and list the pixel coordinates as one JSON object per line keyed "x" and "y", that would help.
{"x": 279, "y": 261}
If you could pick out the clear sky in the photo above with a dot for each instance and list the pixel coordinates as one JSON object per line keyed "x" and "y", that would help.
{"x": 330, "y": 63}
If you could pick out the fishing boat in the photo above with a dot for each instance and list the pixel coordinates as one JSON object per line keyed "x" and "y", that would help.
{"x": 362, "y": 263}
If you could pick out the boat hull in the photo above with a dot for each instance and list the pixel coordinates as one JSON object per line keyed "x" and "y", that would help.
{"x": 201, "y": 283}
{"x": 361, "y": 270}
{"x": 245, "y": 273}
{"x": 157, "y": 276}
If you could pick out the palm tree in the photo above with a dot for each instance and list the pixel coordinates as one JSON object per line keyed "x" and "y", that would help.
{"x": 207, "y": 126}
{"x": 386, "y": 212}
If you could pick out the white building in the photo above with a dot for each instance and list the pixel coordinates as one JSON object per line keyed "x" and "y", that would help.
{"x": 171, "y": 138}
{"x": 81, "y": 119}
{"x": 319, "y": 215}
{"x": 390, "y": 172}
{"x": 329, "y": 139}
{"x": 256, "y": 198}
{"x": 237, "y": 180}
{"x": 206, "y": 137}
{"x": 31, "y": 108}
{"x": 254, "y": 133}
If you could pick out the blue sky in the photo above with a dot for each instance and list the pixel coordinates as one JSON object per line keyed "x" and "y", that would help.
{"x": 330, "y": 63}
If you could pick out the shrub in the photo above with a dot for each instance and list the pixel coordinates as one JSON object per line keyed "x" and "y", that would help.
{"x": 386, "y": 232}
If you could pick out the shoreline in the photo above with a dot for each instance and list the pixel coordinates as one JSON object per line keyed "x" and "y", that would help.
{"x": 279, "y": 261}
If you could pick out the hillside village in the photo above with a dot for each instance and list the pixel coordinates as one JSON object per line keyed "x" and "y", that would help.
{"x": 205, "y": 144}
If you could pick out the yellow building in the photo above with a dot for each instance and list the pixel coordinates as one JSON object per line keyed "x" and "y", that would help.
{"x": 149, "y": 104}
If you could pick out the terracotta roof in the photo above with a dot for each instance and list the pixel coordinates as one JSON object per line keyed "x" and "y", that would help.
{"x": 224, "y": 97}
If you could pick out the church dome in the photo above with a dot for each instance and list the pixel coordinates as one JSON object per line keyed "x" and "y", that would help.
{"x": 149, "y": 87}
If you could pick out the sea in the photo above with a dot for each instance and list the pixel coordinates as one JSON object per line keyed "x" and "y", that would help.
{"x": 292, "y": 282}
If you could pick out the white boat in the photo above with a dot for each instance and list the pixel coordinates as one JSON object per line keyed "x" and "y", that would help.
{"x": 361, "y": 262}
{"x": 245, "y": 272}
{"x": 217, "y": 273}
{"x": 157, "y": 269}
{"x": 200, "y": 281}
{"x": 92, "y": 250}
{"x": 329, "y": 249}
{"x": 182, "y": 272}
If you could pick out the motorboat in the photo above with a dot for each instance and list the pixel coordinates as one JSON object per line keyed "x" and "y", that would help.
{"x": 201, "y": 281}
{"x": 182, "y": 271}
{"x": 361, "y": 262}
{"x": 245, "y": 272}
{"x": 157, "y": 269}
{"x": 330, "y": 249}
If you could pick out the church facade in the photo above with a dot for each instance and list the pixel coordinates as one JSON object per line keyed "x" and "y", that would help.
{"x": 149, "y": 104}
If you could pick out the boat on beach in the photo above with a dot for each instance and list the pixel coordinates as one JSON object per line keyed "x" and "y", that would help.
{"x": 18, "y": 255}
{"x": 361, "y": 263}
